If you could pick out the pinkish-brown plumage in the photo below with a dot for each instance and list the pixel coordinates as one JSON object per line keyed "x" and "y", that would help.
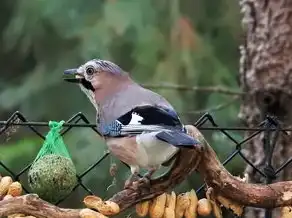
{"x": 128, "y": 96}
{"x": 114, "y": 94}
{"x": 125, "y": 149}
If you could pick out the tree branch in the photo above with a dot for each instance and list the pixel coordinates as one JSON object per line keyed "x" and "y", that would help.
{"x": 31, "y": 204}
{"x": 224, "y": 184}
{"x": 218, "y": 89}
{"x": 201, "y": 158}
{"x": 214, "y": 108}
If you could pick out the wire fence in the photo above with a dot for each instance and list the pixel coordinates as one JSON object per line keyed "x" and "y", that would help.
{"x": 270, "y": 127}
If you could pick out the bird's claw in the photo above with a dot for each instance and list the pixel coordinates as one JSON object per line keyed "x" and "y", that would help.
{"x": 144, "y": 182}
{"x": 129, "y": 182}
{"x": 135, "y": 182}
{"x": 138, "y": 184}
{"x": 148, "y": 175}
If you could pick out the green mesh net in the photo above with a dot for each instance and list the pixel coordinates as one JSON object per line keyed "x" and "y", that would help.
{"x": 54, "y": 143}
{"x": 53, "y": 175}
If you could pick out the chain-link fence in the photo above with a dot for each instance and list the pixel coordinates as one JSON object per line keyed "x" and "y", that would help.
{"x": 269, "y": 126}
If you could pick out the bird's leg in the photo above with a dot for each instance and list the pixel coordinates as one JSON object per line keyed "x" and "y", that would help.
{"x": 145, "y": 180}
{"x": 129, "y": 182}
{"x": 150, "y": 172}
{"x": 133, "y": 177}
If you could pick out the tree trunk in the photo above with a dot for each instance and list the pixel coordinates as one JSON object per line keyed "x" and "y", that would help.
{"x": 265, "y": 76}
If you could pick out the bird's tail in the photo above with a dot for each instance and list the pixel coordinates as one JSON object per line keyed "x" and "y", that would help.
{"x": 177, "y": 138}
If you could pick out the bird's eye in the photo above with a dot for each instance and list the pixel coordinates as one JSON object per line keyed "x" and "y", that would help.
{"x": 90, "y": 71}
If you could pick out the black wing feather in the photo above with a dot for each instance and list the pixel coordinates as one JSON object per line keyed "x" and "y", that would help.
{"x": 153, "y": 115}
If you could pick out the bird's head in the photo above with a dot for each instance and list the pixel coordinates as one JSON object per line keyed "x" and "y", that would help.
{"x": 96, "y": 77}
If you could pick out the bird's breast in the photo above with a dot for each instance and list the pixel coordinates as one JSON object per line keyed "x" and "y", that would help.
{"x": 143, "y": 150}
{"x": 157, "y": 151}
{"x": 124, "y": 148}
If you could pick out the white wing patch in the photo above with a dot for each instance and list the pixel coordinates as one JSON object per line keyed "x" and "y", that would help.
{"x": 136, "y": 119}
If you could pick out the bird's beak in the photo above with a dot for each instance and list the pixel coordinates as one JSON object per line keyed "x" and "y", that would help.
{"x": 71, "y": 75}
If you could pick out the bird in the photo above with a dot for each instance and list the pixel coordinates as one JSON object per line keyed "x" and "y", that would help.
{"x": 140, "y": 127}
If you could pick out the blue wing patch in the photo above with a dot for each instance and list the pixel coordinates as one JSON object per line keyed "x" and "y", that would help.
{"x": 150, "y": 115}
{"x": 177, "y": 138}
{"x": 113, "y": 129}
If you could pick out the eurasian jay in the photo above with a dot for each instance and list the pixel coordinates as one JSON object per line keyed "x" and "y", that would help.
{"x": 140, "y": 127}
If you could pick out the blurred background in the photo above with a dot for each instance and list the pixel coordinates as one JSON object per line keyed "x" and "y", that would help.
{"x": 181, "y": 49}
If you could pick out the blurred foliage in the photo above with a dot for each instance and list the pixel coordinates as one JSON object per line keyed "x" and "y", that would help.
{"x": 191, "y": 42}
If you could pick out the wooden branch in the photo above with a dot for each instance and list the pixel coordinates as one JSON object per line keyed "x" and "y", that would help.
{"x": 31, "y": 204}
{"x": 224, "y": 184}
{"x": 201, "y": 158}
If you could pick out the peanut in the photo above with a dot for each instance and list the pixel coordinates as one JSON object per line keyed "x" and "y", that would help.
{"x": 4, "y": 185}
{"x": 191, "y": 211}
{"x": 142, "y": 208}
{"x": 215, "y": 207}
{"x": 15, "y": 189}
{"x": 16, "y": 215}
{"x": 182, "y": 203}
{"x": 88, "y": 213}
{"x": 235, "y": 207}
{"x": 171, "y": 200}
{"x": 169, "y": 211}
{"x": 157, "y": 206}
{"x": 27, "y": 217}
{"x": 204, "y": 207}
{"x": 106, "y": 208}
{"x": 286, "y": 212}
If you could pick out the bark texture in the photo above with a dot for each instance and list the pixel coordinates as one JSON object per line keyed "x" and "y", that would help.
{"x": 266, "y": 77}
